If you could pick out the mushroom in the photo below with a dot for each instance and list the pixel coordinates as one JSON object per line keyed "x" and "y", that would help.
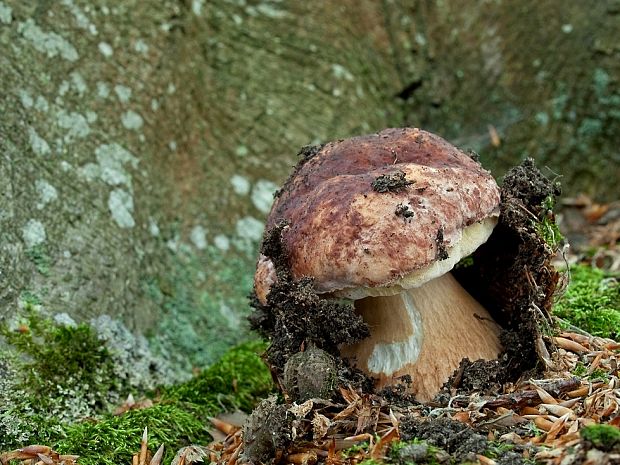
{"x": 382, "y": 219}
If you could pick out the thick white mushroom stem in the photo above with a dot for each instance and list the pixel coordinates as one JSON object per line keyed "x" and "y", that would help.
{"x": 424, "y": 332}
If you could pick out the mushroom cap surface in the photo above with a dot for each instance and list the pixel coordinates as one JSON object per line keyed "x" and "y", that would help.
{"x": 389, "y": 210}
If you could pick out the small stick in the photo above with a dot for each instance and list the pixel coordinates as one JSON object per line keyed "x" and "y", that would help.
{"x": 303, "y": 458}
{"x": 521, "y": 399}
{"x": 570, "y": 345}
{"x": 223, "y": 426}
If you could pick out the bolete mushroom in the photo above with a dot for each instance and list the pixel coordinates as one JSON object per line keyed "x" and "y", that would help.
{"x": 382, "y": 219}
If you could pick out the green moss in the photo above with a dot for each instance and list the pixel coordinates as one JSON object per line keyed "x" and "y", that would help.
{"x": 465, "y": 262}
{"x": 604, "y": 437}
{"x": 60, "y": 358}
{"x": 591, "y": 302}
{"x": 547, "y": 228}
{"x": 54, "y": 374}
{"x": 497, "y": 449}
{"x": 370, "y": 462}
{"x": 115, "y": 439}
{"x": 597, "y": 375}
{"x": 580, "y": 370}
{"x": 355, "y": 449}
{"x": 549, "y": 231}
{"x": 533, "y": 430}
{"x": 239, "y": 380}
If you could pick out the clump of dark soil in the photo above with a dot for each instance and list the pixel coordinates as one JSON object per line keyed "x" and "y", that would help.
{"x": 403, "y": 211}
{"x": 267, "y": 431}
{"x": 442, "y": 252}
{"x": 391, "y": 182}
{"x": 454, "y": 437}
{"x": 296, "y": 318}
{"x": 513, "y": 277}
{"x": 309, "y": 151}
{"x": 457, "y": 439}
{"x": 399, "y": 394}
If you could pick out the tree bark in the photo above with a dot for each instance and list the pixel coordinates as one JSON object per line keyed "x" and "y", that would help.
{"x": 516, "y": 79}
{"x": 140, "y": 141}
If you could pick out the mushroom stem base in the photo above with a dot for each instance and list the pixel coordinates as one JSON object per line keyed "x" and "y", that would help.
{"x": 423, "y": 332}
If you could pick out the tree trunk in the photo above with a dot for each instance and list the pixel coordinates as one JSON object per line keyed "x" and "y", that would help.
{"x": 516, "y": 79}
{"x": 140, "y": 142}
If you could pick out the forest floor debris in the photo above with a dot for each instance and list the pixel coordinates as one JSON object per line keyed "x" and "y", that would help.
{"x": 569, "y": 415}
{"x": 549, "y": 420}
{"x": 593, "y": 232}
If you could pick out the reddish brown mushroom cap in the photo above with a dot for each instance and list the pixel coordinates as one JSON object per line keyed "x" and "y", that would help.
{"x": 347, "y": 234}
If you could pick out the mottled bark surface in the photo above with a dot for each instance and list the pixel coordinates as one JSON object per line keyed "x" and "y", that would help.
{"x": 544, "y": 76}
{"x": 140, "y": 141}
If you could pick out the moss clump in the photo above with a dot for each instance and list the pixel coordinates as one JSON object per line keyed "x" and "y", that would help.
{"x": 604, "y": 437}
{"x": 52, "y": 375}
{"x": 115, "y": 439}
{"x": 498, "y": 449}
{"x": 370, "y": 462}
{"x": 238, "y": 381}
{"x": 591, "y": 302}
{"x": 356, "y": 448}
{"x": 547, "y": 228}
{"x": 549, "y": 231}
{"x": 465, "y": 262}
{"x": 597, "y": 375}
{"x": 412, "y": 452}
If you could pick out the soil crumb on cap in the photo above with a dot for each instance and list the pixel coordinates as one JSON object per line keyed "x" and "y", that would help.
{"x": 442, "y": 251}
{"x": 309, "y": 151}
{"x": 391, "y": 182}
{"x": 404, "y": 211}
